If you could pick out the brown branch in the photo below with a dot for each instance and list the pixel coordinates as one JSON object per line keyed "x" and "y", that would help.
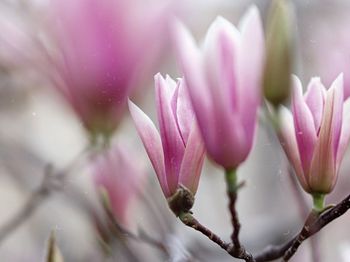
{"x": 232, "y": 192}
{"x": 238, "y": 250}
{"x": 303, "y": 210}
{"x": 275, "y": 252}
{"x": 234, "y": 219}
{"x": 190, "y": 221}
{"x": 304, "y": 233}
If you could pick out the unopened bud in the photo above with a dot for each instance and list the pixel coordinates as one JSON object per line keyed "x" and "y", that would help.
{"x": 53, "y": 252}
{"x": 279, "y": 53}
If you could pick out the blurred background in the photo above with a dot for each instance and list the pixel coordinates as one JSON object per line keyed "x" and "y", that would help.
{"x": 41, "y": 124}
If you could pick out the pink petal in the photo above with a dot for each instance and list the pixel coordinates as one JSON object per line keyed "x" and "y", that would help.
{"x": 173, "y": 146}
{"x": 226, "y": 143}
{"x": 192, "y": 163}
{"x": 249, "y": 69}
{"x": 191, "y": 64}
{"x": 345, "y": 133}
{"x": 152, "y": 142}
{"x": 171, "y": 84}
{"x": 220, "y": 55}
{"x": 290, "y": 146}
{"x": 174, "y": 99}
{"x": 184, "y": 112}
{"x": 304, "y": 125}
{"x": 337, "y": 119}
{"x": 323, "y": 171}
{"x": 315, "y": 100}
{"x": 221, "y": 129}
{"x": 190, "y": 60}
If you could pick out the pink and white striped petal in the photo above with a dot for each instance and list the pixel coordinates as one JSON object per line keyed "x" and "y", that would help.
{"x": 193, "y": 160}
{"x": 250, "y": 68}
{"x": 289, "y": 144}
{"x": 152, "y": 143}
{"x": 304, "y": 125}
{"x": 315, "y": 99}
{"x": 345, "y": 133}
{"x": 173, "y": 146}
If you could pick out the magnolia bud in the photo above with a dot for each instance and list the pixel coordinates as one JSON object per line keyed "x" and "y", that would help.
{"x": 279, "y": 53}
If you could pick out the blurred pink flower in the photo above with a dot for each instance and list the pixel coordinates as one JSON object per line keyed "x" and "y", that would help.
{"x": 106, "y": 47}
{"x": 115, "y": 171}
{"x": 316, "y": 136}
{"x": 224, "y": 82}
{"x": 176, "y": 153}
{"x": 319, "y": 50}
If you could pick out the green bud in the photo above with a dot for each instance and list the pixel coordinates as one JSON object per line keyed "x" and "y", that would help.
{"x": 53, "y": 252}
{"x": 279, "y": 53}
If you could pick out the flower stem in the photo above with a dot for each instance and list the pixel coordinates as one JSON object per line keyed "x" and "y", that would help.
{"x": 232, "y": 188}
{"x": 318, "y": 200}
{"x": 231, "y": 180}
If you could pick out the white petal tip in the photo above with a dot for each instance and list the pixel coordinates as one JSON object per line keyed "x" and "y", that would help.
{"x": 315, "y": 79}
{"x": 338, "y": 82}
{"x": 340, "y": 76}
{"x": 295, "y": 80}
{"x": 219, "y": 20}
{"x": 179, "y": 29}
{"x": 130, "y": 103}
{"x": 158, "y": 76}
{"x": 168, "y": 78}
{"x": 132, "y": 108}
{"x": 316, "y": 82}
{"x": 251, "y": 15}
{"x": 252, "y": 10}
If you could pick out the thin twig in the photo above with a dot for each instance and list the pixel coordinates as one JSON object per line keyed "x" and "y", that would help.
{"x": 35, "y": 200}
{"x": 52, "y": 181}
{"x": 232, "y": 192}
{"x": 304, "y": 233}
{"x": 190, "y": 221}
{"x": 303, "y": 210}
{"x": 23, "y": 214}
{"x": 275, "y": 252}
{"x": 234, "y": 219}
{"x": 142, "y": 236}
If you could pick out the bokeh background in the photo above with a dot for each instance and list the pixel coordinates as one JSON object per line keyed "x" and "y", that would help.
{"x": 37, "y": 128}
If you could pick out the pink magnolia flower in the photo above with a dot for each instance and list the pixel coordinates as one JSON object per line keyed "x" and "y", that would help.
{"x": 103, "y": 45}
{"x": 224, "y": 82}
{"x": 176, "y": 153}
{"x": 317, "y": 134}
{"x": 115, "y": 172}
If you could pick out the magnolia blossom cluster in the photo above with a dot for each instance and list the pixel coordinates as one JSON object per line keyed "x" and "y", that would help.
{"x": 223, "y": 79}
{"x": 213, "y": 108}
{"x": 98, "y": 52}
